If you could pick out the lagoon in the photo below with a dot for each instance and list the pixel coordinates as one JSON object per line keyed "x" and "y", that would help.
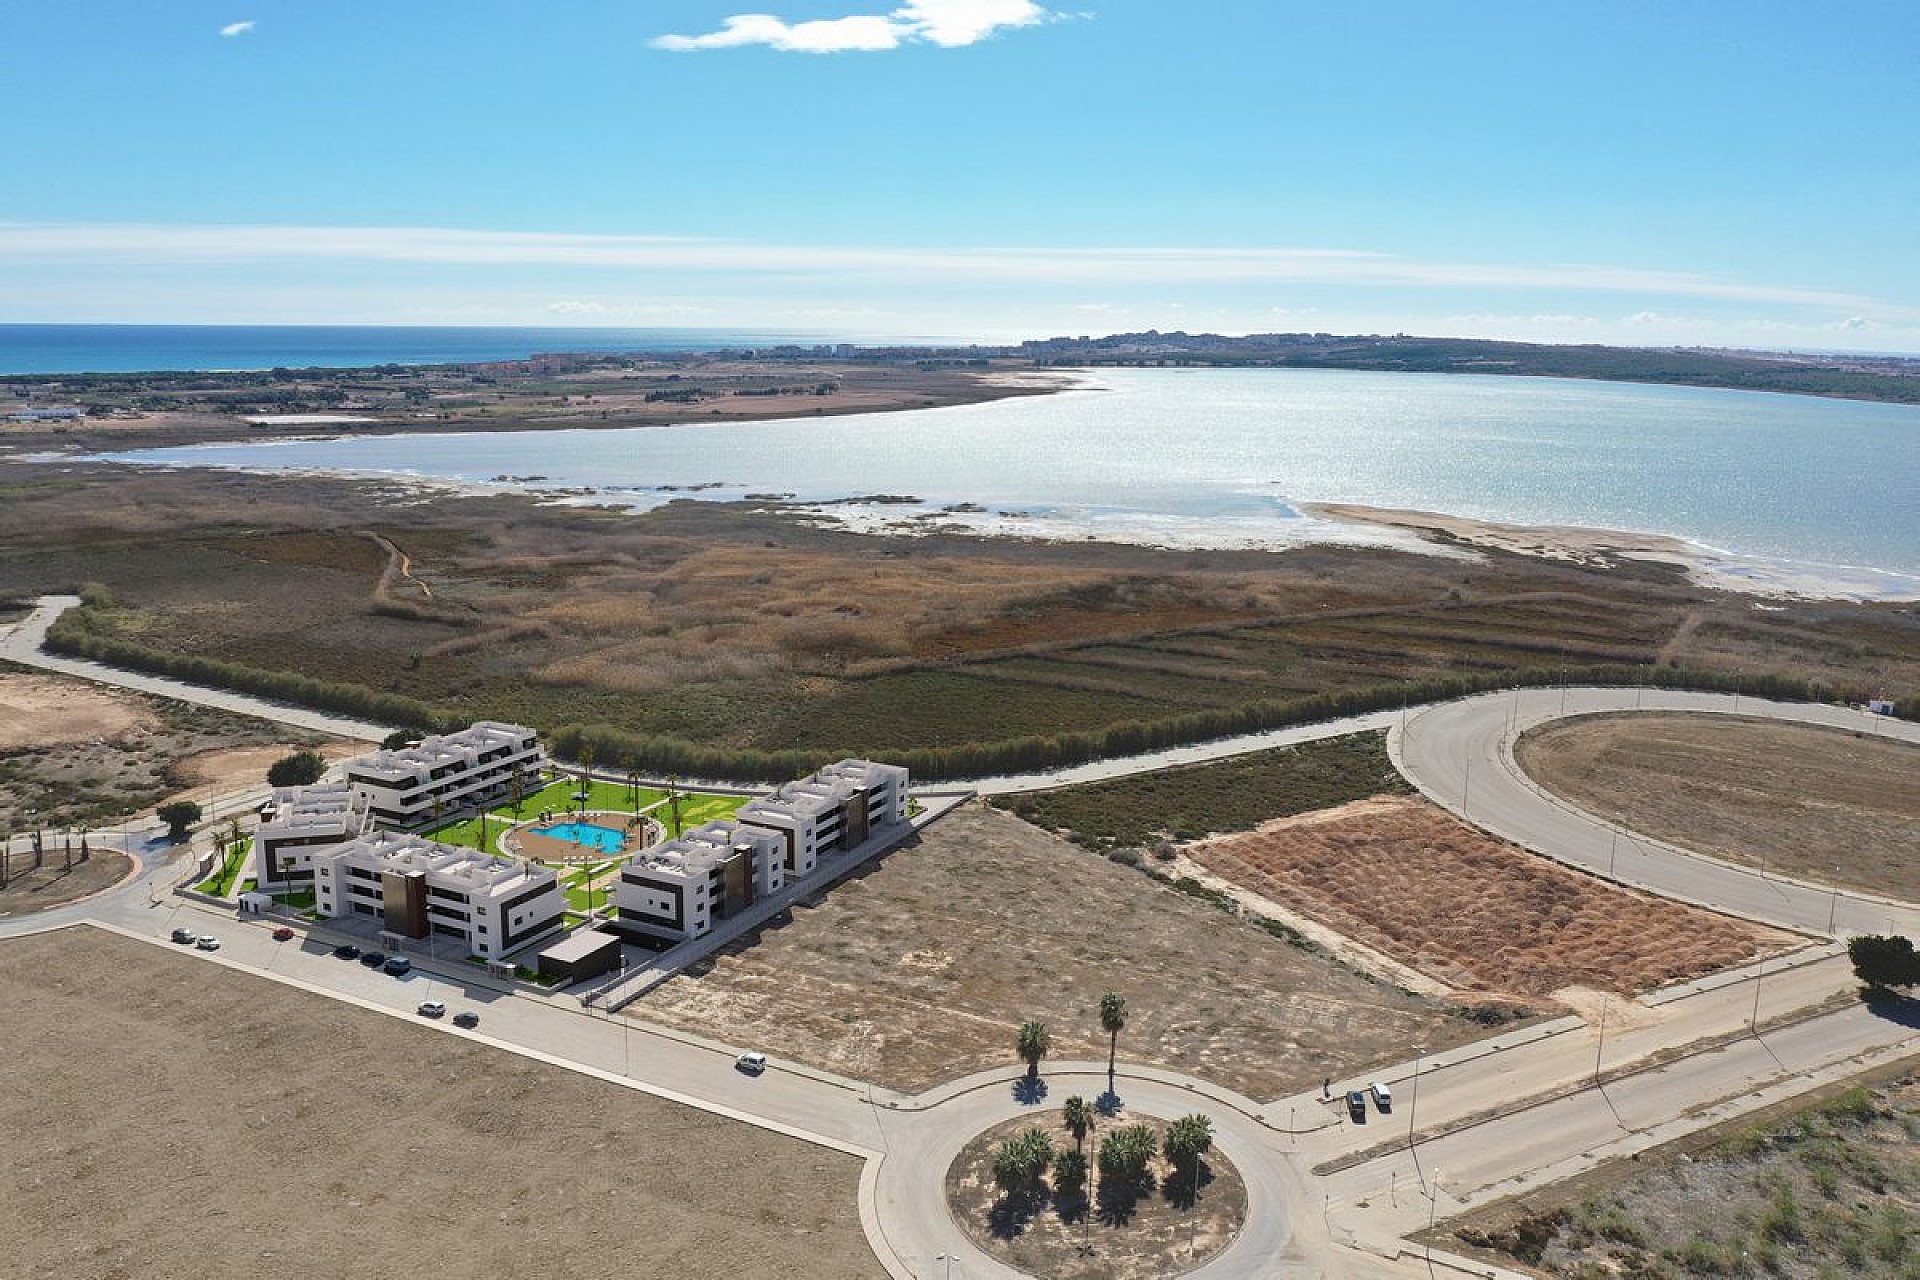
{"x": 1827, "y": 489}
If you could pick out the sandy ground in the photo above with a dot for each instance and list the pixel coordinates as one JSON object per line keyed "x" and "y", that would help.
{"x": 922, "y": 969}
{"x": 1821, "y": 804}
{"x": 167, "y": 1117}
{"x": 55, "y": 882}
{"x": 236, "y": 767}
{"x": 49, "y": 711}
{"x": 1130, "y": 1238}
{"x": 1405, "y": 878}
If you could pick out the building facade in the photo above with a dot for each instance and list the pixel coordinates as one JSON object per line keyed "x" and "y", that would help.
{"x": 829, "y": 812}
{"x": 419, "y": 888}
{"x": 677, "y": 890}
{"x": 306, "y": 821}
{"x": 444, "y": 774}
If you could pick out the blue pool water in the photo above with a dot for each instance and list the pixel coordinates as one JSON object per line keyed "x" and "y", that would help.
{"x": 587, "y": 835}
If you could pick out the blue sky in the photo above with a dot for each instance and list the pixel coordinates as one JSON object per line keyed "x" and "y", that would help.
{"x": 1715, "y": 172}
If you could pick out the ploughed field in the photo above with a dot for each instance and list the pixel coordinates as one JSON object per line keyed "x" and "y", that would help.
{"x": 166, "y": 1116}
{"x": 1411, "y": 881}
{"x": 922, "y": 969}
{"x": 1821, "y": 804}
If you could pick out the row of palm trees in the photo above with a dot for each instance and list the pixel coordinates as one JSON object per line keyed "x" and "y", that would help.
{"x": 1033, "y": 1041}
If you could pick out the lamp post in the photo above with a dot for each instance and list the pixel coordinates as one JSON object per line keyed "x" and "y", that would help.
{"x": 1466, "y": 786}
{"x": 1413, "y": 1104}
{"x": 1599, "y": 1048}
{"x": 948, "y": 1259}
{"x": 1833, "y": 904}
{"x": 1754, "y": 1024}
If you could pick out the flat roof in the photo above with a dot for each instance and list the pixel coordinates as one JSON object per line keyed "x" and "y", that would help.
{"x": 580, "y": 945}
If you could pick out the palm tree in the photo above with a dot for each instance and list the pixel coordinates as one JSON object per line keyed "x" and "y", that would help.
{"x": 1079, "y": 1120}
{"x": 1113, "y": 1020}
{"x": 1032, "y": 1044}
{"x": 519, "y": 785}
{"x": 632, "y": 767}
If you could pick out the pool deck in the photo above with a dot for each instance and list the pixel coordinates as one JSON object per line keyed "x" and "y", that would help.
{"x": 525, "y": 841}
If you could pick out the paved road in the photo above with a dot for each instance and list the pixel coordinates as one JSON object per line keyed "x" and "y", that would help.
{"x": 21, "y": 642}
{"x": 1460, "y": 755}
{"x": 1549, "y": 1120}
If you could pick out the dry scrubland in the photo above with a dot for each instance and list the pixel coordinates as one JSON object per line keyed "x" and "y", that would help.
{"x": 1829, "y": 1191}
{"x": 76, "y": 752}
{"x": 922, "y": 969}
{"x": 163, "y": 1117}
{"x": 1410, "y": 880}
{"x": 749, "y": 629}
{"x": 1828, "y": 805}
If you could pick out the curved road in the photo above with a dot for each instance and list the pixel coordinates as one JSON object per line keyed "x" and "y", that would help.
{"x": 1351, "y": 1219}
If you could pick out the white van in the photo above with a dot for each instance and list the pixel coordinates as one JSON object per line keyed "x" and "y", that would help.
{"x": 751, "y": 1063}
{"x": 1382, "y": 1096}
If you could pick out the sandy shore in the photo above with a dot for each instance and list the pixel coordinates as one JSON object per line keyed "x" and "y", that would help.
{"x": 1604, "y": 548}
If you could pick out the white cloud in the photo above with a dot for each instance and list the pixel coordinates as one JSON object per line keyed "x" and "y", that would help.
{"x": 233, "y": 29}
{"x": 949, "y": 24}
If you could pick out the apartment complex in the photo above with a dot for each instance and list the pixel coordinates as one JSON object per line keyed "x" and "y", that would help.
{"x": 676, "y": 890}
{"x": 305, "y": 821}
{"x": 419, "y": 888}
{"x": 443, "y": 774}
{"x": 830, "y": 811}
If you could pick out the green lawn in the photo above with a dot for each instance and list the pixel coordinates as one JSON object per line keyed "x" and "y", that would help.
{"x": 557, "y": 796}
{"x": 220, "y": 883}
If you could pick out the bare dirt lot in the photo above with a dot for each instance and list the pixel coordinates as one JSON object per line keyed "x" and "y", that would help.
{"x": 1408, "y": 879}
{"x": 1136, "y": 1231}
{"x": 57, "y": 879}
{"x": 922, "y": 969}
{"x": 75, "y": 752}
{"x": 1823, "y": 804}
{"x": 165, "y": 1118}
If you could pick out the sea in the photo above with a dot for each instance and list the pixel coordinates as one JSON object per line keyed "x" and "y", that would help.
{"x": 1769, "y": 493}
{"x": 139, "y": 348}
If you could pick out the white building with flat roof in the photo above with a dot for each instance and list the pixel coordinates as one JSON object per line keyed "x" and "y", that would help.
{"x": 305, "y": 821}
{"x": 831, "y": 811}
{"x": 444, "y": 774}
{"x": 419, "y": 888}
{"x": 676, "y": 890}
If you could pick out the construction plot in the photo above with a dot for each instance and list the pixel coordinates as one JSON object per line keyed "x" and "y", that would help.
{"x": 1410, "y": 881}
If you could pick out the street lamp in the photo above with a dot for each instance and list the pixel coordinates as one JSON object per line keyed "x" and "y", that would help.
{"x": 1601, "y": 1047}
{"x": 948, "y": 1259}
{"x": 1754, "y": 1024}
{"x": 1833, "y": 904}
{"x": 1413, "y": 1104}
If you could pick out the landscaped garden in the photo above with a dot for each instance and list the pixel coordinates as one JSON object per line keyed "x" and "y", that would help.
{"x": 676, "y": 813}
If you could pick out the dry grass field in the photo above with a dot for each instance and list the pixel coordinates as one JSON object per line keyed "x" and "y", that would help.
{"x": 922, "y": 969}
{"x": 167, "y": 1119}
{"x": 1826, "y": 805}
{"x": 1409, "y": 880}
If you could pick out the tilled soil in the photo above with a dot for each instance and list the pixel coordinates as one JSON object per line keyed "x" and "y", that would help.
{"x": 923, "y": 968}
{"x": 1405, "y": 878}
{"x": 1827, "y": 805}
{"x": 166, "y": 1117}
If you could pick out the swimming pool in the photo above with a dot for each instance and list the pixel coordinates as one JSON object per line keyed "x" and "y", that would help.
{"x": 587, "y": 835}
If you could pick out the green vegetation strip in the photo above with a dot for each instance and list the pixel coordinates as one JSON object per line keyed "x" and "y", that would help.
{"x": 1192, "y": 801}
{"x": 220, "y": 883}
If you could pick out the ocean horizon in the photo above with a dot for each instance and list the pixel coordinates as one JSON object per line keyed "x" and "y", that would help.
{"x": 29, "y": 349}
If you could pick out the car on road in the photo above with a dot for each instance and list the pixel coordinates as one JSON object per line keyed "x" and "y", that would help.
{"x": 346, "y": 951}
{"x": 398, "y": 966}
{"x": 431, "y": 1009}
{"x": 1357, "y": 1106}
{"x": 207, "y": 942}
{"x": 1382, "y": 1097}
{"x": 185, "y": 936}
{"x": 373, "y": 959}
{"x": 466, "y": 1018}
{"x": 282, "y": 934}
{"x": 751, "y": 1063}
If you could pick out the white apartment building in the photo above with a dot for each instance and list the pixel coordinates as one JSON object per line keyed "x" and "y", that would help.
{"x": 418, "y": 888}
{"x": 833, "y": 810}
{"x": 305, "y": 822}
{"x": 676, "y": 890}
{"x": 444, "y": 774}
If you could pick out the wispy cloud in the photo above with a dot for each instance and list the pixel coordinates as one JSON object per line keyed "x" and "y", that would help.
{"x": 949, "y": 24}
{"x": 233, "y": 29}
{"x": 1079, "y": 268}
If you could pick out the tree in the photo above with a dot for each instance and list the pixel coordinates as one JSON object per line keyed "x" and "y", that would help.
{"x": 398, "y": 739}
{"x": 1079, "y": 1120}
{"x": 518, "y": 787}
{"x": 1188, "y": 1138}
{"x": 180, "y": 815}
{"x": 1113, "y": 1020}
{"x": 1022, "y": 1160}
{"x": 1032, "y": 1044}
{"x": 1125, "y": 1152}
{"x": 1884, "y": 962}
{"x": 632, "y": 769}
{"x": 1069, "y": 1172}
{"x": 301, "y": 769}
